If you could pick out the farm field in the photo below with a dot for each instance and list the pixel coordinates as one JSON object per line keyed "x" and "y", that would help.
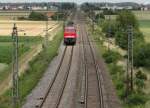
{"x": 142, "y": 15}
{"x": 144, "y": 22}
{"x": 10, "y": 15}
{"x": 27, "y": 49}
{"x": 25, "y": 28}
{"x": 145, "y": 28}
{"x": 6, "y": 50}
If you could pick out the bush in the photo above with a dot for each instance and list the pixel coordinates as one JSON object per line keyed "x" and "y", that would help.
{"x": 141, "y": 75}
{"x": 111, "y": 56}
{"x": 115, "y": 69}
{"x": 109, "y": 28}
{"x": 22, "y": 18}
{"x": 99, "y": 17}
{"x": 121, "y": 38}
{"x": 121, "y": 93}
{"x": 58, "y": 16}
{"x": 36, "y": 16}
{"x": 109, "y": 12}
{"x": 142, "y": 55}
{"x": 124, "y": 19}
{"x": 136, "y": 99}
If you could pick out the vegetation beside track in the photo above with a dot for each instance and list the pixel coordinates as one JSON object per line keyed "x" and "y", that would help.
{"x": 114, "y": 60}
{"x": 36, "y": 70}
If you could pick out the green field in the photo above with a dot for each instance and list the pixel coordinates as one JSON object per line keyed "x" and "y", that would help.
{"x": 25, "y": 44}
{"x": 145, "y": 28}
{"x": 6, "y": 47}
{"x": 6, "y": 52}
{"x": 144, "y": 22}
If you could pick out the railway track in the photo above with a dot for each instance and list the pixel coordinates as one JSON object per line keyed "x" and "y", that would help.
{"x": 93, "y": 95}
{"x": 56, "y": 87}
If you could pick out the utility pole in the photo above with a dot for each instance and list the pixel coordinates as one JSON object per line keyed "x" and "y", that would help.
{"x": 92, "y": 18}
{"x": 109, "y": 33}
{"x": 46, "y": 30}
{"x": 130, "y": 36}
{"x": 15, "y": 87}
{"x": 129, "y": 86}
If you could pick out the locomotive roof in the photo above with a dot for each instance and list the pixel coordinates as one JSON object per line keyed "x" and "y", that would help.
{"x": 70, "y": 27}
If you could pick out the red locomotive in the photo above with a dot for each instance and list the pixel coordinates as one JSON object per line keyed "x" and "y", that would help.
{"x": 70, "y": 35}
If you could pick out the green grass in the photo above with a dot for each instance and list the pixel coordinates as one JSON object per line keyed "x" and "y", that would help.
{"x": 3, "y": 66}
{"x": 6, "y": 46}
{"x": 6, "y": 52}
{"x": 6, "y": 57}
{"x": 25, "y": 44}
{"x": 144, "y": 22}
{"x": 21, "y": 39}
{"x": 145, "y": 28}
{"x": 32, "y": 76}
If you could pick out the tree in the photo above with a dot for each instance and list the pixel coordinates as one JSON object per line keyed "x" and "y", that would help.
{"x": 142, "y": 55}
{"x": 108, "y": 12}
{"x": 58, "y": 16}
{"x": 124, "y": 20}
{"x": 111, "y": 56}
{"x": 99, "y": 16}
{"x": 140, "y": 79}
{"x": 37, "y": 16}
{"x": 109, "y": 28}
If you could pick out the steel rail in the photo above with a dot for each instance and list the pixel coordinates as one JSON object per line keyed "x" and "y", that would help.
{"x": 53, "y": 80}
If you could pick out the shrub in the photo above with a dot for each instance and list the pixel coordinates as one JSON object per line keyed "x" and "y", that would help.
{"x": 124, "y": 19}
{"x": 36, "y": 16}
{"x": 141, "y": 55}
{"x": 136, "y": 99}
{"x": 111, "y": 56}
{"x": 109, "y": 28}
{"x": 58, "y": 16}
{"x": 121, "y": 37}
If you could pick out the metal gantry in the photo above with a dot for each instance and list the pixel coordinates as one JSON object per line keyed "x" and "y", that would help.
{"x": 15, "y": 87}
{"x": 129, "y": 86}
{"x": 46, "y": 34}
{"x": 130, "y": 50}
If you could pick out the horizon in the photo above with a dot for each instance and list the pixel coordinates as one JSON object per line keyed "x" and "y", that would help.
{"x": 77, "y": 1}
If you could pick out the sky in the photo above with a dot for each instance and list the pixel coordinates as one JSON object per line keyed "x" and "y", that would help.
{"x": 79, "y": 1}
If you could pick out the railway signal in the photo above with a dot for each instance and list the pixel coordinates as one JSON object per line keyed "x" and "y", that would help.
{"x": 15, "y": 87}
